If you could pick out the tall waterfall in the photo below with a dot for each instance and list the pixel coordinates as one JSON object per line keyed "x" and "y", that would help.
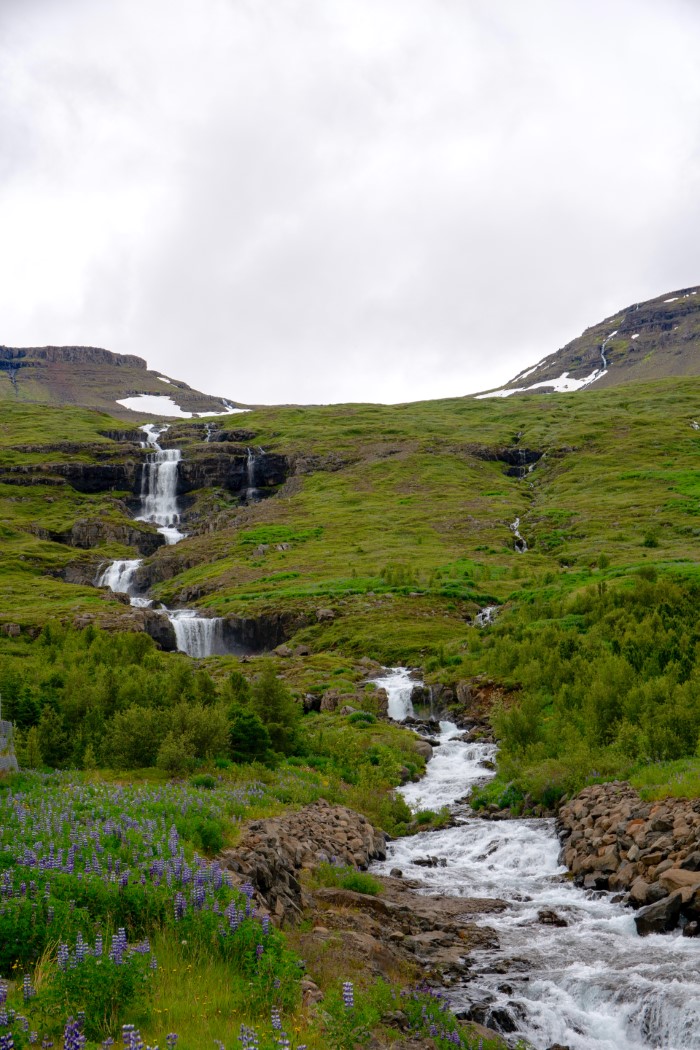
{"x": 195, "y": 635}
{"x": 159, "y": 486}
{"x": 251, "y": 493}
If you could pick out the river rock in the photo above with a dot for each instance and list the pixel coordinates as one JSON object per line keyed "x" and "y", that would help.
{"x": 660, "y": 917}
{"x": 649, "y": 851}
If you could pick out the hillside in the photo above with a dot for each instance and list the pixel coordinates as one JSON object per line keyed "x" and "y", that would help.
{"x": 90, "y": 377}
{"x": 220, "y": 730}
{"x": 656, "y": 339}
{"x": 400, "y": 519}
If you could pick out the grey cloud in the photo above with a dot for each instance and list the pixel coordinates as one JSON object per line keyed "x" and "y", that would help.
{"x": 326, "y": 201}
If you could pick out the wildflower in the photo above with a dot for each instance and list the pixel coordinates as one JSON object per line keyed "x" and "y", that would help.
{"x": 73, "y": 1038}
{"x": 348, "y": 995}
{"x": 27, "y": 990}
{"x": 246, "y": 1037}
{"x": 259, "y": 951}
{"x": 171, "y": 1040}
{"x": 276, "y": 1021}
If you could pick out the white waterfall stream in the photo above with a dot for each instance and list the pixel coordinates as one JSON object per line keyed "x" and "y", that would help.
{"x": 159, "y": 486}
{"x": 195, "y": 634}
{"x": 592, "y": 984}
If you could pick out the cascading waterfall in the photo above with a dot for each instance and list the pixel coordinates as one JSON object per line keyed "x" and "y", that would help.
{"x": 399, "y": 687}
{"x": 159, "y": 503}
{"x": 520, "y": 544}
{"x": 119, "y": 576}
{"x": 195, "y": 635}
{"x": 593, "y": 984}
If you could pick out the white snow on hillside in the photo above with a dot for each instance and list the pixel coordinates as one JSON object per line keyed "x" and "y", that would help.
{"x": 563, "y": 384}
{"x": 163, "y": 405}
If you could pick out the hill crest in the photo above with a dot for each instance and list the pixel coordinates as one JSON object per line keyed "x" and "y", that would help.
{"x": 655, "y": 339}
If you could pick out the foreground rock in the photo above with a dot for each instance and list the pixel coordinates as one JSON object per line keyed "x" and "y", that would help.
{"x": 272, "y": 852}
{"x": 648, "y": 851}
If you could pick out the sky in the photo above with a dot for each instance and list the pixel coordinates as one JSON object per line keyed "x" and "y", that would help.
{"x": 320, "y": 201}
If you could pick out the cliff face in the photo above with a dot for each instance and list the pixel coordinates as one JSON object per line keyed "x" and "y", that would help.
{"x": 93, "y": 355}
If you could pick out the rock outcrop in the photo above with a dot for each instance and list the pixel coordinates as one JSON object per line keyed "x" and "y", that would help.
{"x": 649, "y": 851}
{"x": 221, "y": 466}
{"x": 272, "y": 852}
{"x": 87, "y": 533}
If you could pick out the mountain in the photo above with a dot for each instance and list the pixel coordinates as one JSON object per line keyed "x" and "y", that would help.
{"x": 91, "y": 377}
{"x": 650, "y": 340}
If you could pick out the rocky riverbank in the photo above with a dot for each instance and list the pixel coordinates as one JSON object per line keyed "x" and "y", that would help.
{"x": 399, "y": 934}
{"x": 647, "y": 851}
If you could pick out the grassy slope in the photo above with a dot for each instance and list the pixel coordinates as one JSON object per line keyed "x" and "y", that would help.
{"x": 412, "y": 533}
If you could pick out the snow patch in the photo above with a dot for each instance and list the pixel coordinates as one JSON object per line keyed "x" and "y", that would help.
{"x": 635, "y": 336}
{"x": 163, "y": 405}
{"x": 155, "y": 405}
{"x": 671, "y": 300}
{"x": 529, "y": 371}
{"x": 563, "y": 384}
{"x": 163, "y": 379}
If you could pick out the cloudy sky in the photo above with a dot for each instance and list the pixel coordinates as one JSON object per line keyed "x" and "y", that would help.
{"x": 334, "y": 200}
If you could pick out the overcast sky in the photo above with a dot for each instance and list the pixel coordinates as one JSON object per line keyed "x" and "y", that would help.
{"x": 336, "y": 200}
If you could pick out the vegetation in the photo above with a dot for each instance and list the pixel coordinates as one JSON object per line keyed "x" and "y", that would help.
{"x": 392, "y": 534}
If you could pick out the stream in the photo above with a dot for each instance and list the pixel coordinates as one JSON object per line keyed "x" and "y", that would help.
{"x": 592, "y": 984}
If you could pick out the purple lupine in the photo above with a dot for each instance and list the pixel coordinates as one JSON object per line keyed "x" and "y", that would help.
{"x": 63, "y": 956}
{"x": 171, "y": 1040}
{"x": 266, "y": 925}
{"x": 3, "y": 992}
{"x": 348, "y": 995}
{"x": 73, "y": 1038}
{"x": 259, "y": 951}
{"x": 246, "y": 1037}
{"x": 7, "y": 1042}
{"x": 276, "y": 1020}
{"x": 27, "y": 990}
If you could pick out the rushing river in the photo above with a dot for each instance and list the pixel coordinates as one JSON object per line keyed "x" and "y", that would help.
{"x": 590, "y": 985}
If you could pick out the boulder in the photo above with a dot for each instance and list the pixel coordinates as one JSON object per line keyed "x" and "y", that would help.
{"x": 660, "y": 917}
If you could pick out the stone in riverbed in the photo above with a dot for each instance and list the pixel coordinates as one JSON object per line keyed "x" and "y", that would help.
{"x": 660, "y": 917}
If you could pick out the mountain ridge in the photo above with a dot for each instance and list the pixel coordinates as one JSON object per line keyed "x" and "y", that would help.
{"x": 92, "y": 377}
{"x": 654, "y": 339}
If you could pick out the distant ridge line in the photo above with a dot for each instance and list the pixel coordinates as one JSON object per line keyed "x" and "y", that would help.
{"x": 71, "y": 354}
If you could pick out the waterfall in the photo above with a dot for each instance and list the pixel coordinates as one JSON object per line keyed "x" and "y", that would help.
{"x": 251, "y": 493}
{"x": 195, "y": 635}
{"x": 198, "y": 635}
{"x": 398, "y": 685}
{"x": 485, "y": 616}
{"x": 602, "y": 351}
{"x": 119, "y": 576}
{"x": 520, "y": 544}
{"x": 159, "y": 486}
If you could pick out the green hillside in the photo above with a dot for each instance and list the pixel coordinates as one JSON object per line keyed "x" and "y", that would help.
{"x": 376, "y": 536}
